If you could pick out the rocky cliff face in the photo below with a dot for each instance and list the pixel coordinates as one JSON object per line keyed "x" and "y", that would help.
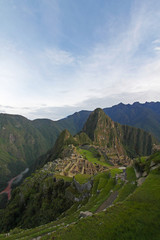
{"x": 117, "y": 139}
{"x": 115, "y": 143}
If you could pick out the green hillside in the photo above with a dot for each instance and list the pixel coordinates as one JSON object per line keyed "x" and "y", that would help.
{"x": 22, "y": 141}
{"x": 20, "y": 145}
{"x": 58, "y": 197}
{"x": 136, "y": 218}
{"x": 133, "y": 215}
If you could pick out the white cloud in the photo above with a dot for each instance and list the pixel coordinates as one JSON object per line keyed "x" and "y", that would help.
{"x": 157, "y": 48}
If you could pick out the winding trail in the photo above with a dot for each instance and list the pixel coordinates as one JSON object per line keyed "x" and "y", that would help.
{"x": 8, "y": 189}
{"x": 108, "y": 202}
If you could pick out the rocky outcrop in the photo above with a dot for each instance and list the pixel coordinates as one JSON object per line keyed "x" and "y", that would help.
{"x": 140, "y": 181}
{"x": 85, "y": 214}
{"x": 81, "y": 188}
{"x": 119, "y": 141}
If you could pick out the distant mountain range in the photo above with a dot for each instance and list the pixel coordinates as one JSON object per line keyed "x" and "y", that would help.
{"x": 101, "y": 145}
{"x": 145, "y": 116}
{"x": 116, "y": 141}
{"x": 22, "y": 141}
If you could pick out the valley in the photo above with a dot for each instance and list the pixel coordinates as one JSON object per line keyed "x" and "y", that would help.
{"x": 96, "y": 183}
{"x": 14, "y": 180}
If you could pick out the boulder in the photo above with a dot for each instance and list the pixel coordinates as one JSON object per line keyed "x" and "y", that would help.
{"x": 85, "y": 214}
{"x": 144, "y": 174}
{"x": 152, "y": 164}
{"x": 154, "y": 167}
{"x": 138, "y": 174}
{"x": 140, "y": 181}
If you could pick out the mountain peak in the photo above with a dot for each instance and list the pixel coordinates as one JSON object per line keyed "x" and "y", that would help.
{"x": 96, "y": 123}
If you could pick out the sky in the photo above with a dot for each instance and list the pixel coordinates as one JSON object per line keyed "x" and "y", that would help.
{"x": 61, "y": 56}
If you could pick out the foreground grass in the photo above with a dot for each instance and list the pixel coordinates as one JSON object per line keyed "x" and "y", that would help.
{"x": 137, "y": 218}
{"x": 100, "y": 191}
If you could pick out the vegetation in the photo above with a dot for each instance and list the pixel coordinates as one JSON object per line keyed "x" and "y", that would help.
{"x": 45, "y": 197}
{"x": 145, "y": 116}
{"x": 82, "y": 178}
{"x": 22, "y": 141}
{"x": 104, "y": 132}
{"x": 20, "y": 144}
{"x": 135, "y": 218}
{"x": 38, "y": 200}
{"x": 129, "y": 187}
{"x": 91, "y": 156}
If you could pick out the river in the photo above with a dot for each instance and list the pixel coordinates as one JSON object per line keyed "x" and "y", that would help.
{"x": 16, "y": 180}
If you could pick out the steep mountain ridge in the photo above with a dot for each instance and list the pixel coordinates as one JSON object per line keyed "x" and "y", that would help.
{"x": 117, "y": 143}
{"x": 140, "y": 115}
{"x": 19, "y": 134}
{"x": 53, "y": 189}
{"x": 20, "y": 145}
{"x": 120, "y": 138}
{"x": 145, "y": 116}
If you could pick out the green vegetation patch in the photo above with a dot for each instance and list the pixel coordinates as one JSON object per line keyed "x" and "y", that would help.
{"x": 155, "y": 157}
{"x": 90, "y": 156}
{"x": 65, "y": 178}
{"x": 102, "y": 185}
{"x": 115, "y": 171}
{"x": 131, "y": 176}
{"x": 136, "y": 218}
{"x": 82, "y": 178}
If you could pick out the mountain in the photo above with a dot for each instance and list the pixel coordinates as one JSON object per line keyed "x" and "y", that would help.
{"x": 112, "y": 141}
{"x": 61, "y": 206}
{"x": 64, "y": 139}
{"x": 22, "y": 141}
{"x": 105, "y": 132}
{"x": 99, "y": 150}
{"x": 20, "y": 145}
{"x": 74, "y": 123}
{"x": 145, "y": 116}
{"x": 80, "y": 176}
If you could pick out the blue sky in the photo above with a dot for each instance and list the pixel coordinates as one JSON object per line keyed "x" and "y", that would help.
{"x": 62, "y": 56}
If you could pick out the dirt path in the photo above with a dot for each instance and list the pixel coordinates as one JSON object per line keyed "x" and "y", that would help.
{"x": 108, "y": 202}
{"x": 8, "y": 189}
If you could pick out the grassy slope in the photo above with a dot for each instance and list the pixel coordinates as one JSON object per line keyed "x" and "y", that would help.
{"x": 135, "y": 218}
{"x": 102, "y": 185}
{"x": 89, "y": 155}
{"x": 129, "y": 187}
